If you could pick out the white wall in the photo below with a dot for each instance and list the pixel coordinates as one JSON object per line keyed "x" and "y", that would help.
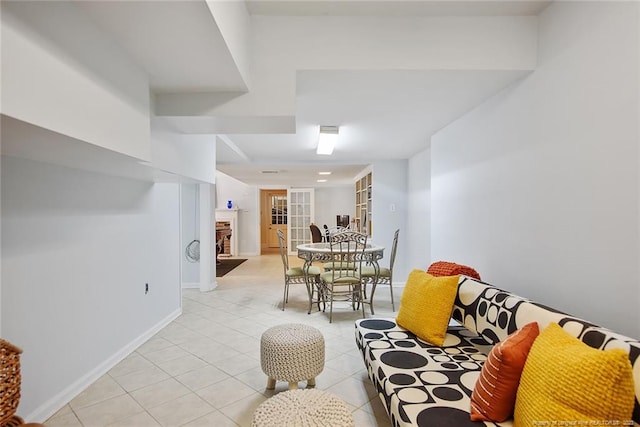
{"x": 190, "y": 223}
{"x": 389, "y": 188}
{"x": 246, "y": 199}
{"x": 68, "y": 77}
{"x": 332, "y": 201}
{"x": 207, "y": 209}
{"x": 638, "y": 127}
{"x": 1, "y": 334}
{"x": 418, "y": 246}
{"x": 77, "y": 250}
{"x": 192, "y": 156}
{"x": 538, "y": 188}
{"x": 329, "y": 202}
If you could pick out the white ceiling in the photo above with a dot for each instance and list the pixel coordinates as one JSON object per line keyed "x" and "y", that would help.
{"x": 381, "y": 114}
{"x": 176, "y": 42}
{"x": 396, "y": 7}
{"x": 376, "y": 109}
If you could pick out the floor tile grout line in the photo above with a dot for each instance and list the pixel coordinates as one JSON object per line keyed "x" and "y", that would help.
{"x": 237, "y": 303}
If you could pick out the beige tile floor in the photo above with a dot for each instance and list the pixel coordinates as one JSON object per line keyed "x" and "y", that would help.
{"x": 203, "y": 369}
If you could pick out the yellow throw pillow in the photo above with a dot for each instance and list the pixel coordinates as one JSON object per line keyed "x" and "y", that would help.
{"x": 426, "y": 305}
{"x": 566, "y": 380}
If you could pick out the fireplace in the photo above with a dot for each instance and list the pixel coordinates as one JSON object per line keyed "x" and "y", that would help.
{"x": 227, "y": 219}
{"x": 224, "y": 235}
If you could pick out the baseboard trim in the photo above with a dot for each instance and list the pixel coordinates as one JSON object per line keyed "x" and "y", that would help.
{"x": 53, "y": 405}
{"x": 249, "y": 254}
{"x": 210, "y": 287}
{"x": 190, "y": 285}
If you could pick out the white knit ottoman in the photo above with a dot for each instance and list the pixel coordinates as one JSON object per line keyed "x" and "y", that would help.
{"x": 302, "y": 408}
{"x": 292, "y": 352}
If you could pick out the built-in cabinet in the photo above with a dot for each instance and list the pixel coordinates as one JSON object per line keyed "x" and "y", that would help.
{"x": 363, "y": 219}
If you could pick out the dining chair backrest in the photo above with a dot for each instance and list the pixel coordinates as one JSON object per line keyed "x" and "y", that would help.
{"x": 283, "y": 250}
{"x": 330, "y": 231}
{"x": 394, "y": 248}
{"x": 348, "y": 247}
{"x": 316, "y": 234}
{"x": 326, "y": 233}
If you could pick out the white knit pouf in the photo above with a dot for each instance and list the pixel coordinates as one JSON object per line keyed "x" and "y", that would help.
{"x": 292, "y": 352}
{"x": 302, "y": 408}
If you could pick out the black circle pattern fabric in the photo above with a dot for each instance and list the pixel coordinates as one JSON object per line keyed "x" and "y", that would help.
{"x": 403, "y": 359}
{"x": 378, "y": 324}
{"x": 424, "y": 385}
{"x": 428, "y": 384}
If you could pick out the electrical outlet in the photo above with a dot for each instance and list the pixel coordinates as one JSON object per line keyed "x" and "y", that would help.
{"x": 146, "y": 288}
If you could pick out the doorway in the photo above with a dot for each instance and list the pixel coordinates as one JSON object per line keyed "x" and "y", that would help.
{"x": 273, "y": 217}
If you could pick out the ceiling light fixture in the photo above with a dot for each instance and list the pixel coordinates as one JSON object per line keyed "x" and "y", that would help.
{"x": 327, "y": 140}
{"x": 324, "y": 173}
{"x": 321, "y": 180}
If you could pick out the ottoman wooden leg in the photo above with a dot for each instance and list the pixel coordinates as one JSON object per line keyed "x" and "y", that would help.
{"x": 271, "y": 383}
{"x": 292, "y": 352}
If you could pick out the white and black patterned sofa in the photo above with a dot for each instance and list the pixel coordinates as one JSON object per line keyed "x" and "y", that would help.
{"x": 425, "y": 385}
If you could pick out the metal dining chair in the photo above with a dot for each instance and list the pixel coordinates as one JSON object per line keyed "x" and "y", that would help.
{"x": 316, "y": 234}
{"x": 326, "y": 233}
{"x": 336, "y": 264}
{"x": 294, "y": 275}
{"x": 347, "y": 248}
{"x": 385, "y": 275}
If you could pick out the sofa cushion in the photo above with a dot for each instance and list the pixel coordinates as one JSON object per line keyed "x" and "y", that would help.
{"x": 419, "y": 383}
{"x": 494, "y": 314}
{"x": 494, "y": 395}
{"x": 565, "y": 379}
{"x": 426, "y": 304}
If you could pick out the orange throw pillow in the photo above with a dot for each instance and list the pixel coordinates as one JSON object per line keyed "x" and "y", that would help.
{"x": 445, "y": 268}
{"x": 494, "y": 395}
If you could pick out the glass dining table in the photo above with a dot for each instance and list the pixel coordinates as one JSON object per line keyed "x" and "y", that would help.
{"x": 321, "y": 252}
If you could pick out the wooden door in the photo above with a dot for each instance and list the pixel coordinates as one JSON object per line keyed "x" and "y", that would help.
{"x": 273, "y": 218}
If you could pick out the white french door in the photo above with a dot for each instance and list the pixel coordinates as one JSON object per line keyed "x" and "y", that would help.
{"x": 301, "y": 215}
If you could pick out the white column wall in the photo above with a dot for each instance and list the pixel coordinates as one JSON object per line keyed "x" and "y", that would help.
{"x": 418, "y": 234}
{"x": 538, "y": 187}
{"x": 190, "y": 223}
{"x": 389, "y": 212}
{"x": 1, "y": 333}
{"x": 77, "y": 251}
{"x": 207, "y": 264}
{"x": 638, "y": 130}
